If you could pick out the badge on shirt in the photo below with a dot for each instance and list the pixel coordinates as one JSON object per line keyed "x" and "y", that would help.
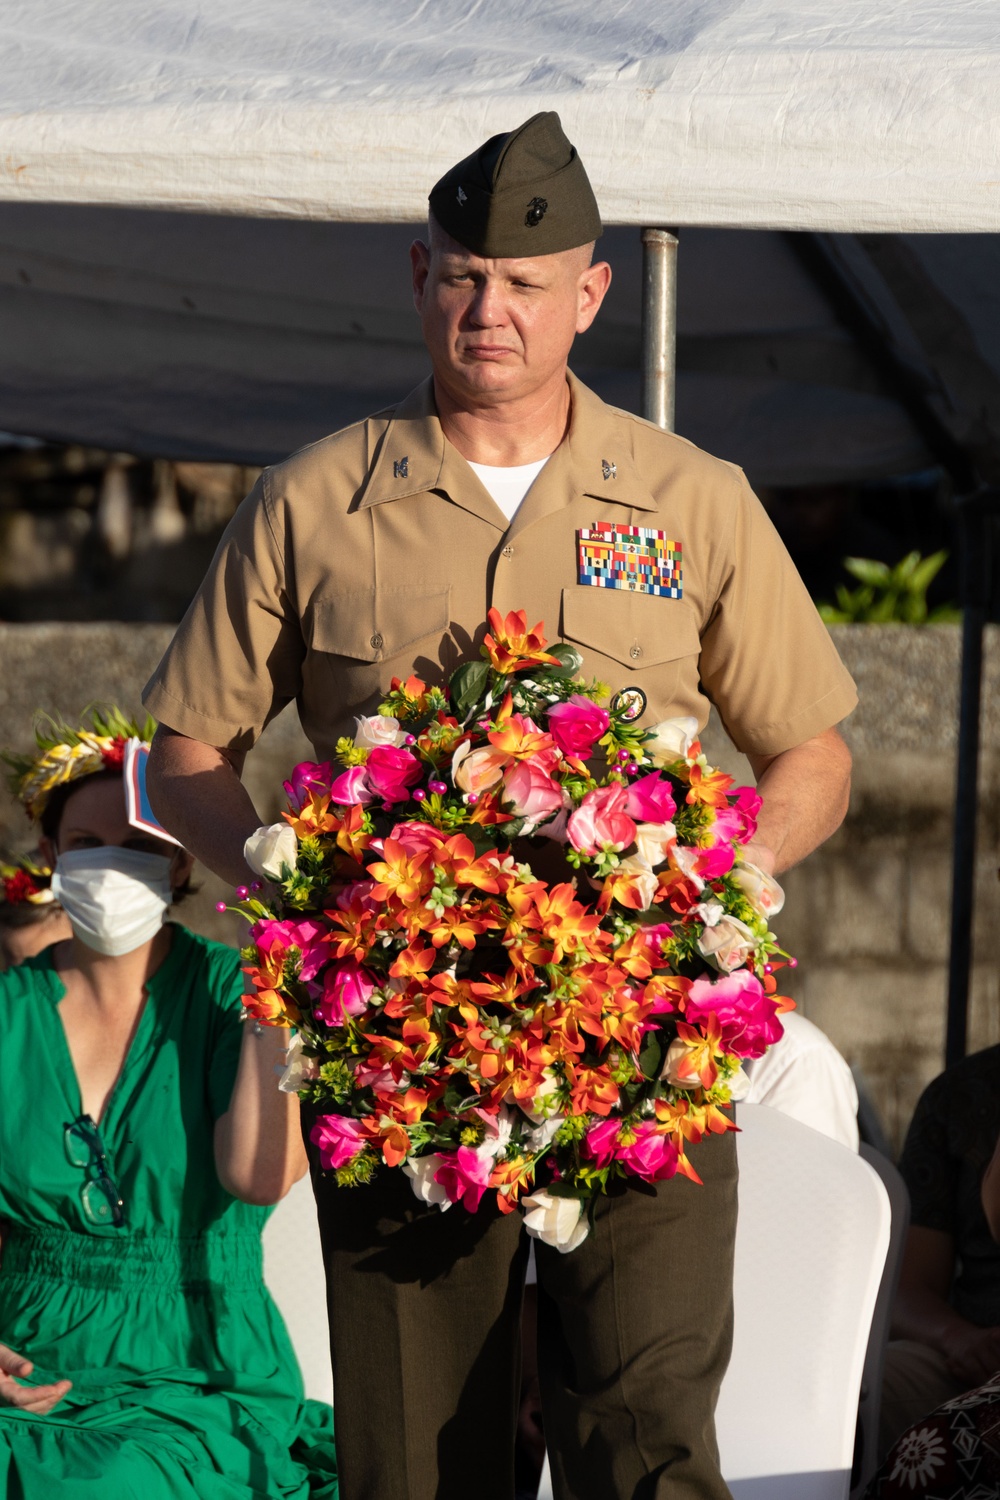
{"x": 635, "y": 558}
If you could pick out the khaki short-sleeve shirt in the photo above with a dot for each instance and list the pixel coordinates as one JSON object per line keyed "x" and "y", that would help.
{"x": 377, "y": 552}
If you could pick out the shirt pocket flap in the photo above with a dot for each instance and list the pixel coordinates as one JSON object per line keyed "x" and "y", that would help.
{"x": 377, "y": 626}
{"x": 641, "y": 630}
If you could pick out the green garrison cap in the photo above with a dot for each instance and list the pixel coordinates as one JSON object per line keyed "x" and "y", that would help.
{"x": 521, "y": 194}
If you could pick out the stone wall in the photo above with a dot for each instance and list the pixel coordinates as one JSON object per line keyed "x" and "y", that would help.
{"x": 867, "y": 915}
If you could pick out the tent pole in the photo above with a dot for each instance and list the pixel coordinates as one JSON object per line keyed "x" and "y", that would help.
{"x": 975, "y": 521}
{"x": 659, "y": 326}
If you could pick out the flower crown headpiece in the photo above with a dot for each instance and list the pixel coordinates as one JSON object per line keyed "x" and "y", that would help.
{"x": 25, "y": 882}
{"x": 66, "y": 754}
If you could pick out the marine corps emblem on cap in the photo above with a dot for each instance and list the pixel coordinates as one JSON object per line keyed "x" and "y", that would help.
{"x": 525, "y": 193}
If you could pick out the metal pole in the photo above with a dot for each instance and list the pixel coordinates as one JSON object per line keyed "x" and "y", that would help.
{"x": 976, "y": 534}
{"x": 659, "y": 326}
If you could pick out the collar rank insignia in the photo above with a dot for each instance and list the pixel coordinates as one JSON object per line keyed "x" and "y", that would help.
{"x": 401, "y": 468}
{"x": 609, "y": 470}
{"x": 461, "y": 195}
{"x": 634, "y": 558}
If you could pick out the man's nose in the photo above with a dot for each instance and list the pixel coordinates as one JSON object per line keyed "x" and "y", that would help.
{"x": 486, "y": 310}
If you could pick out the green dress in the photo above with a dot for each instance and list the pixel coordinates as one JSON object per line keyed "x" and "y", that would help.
{"x": 185, "y": 1386}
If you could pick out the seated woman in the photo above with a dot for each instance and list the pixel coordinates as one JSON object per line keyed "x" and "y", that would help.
{"x": 141, "y": 1137}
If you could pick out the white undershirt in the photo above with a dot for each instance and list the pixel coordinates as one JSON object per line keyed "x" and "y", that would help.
{"x": 508, "y": 486}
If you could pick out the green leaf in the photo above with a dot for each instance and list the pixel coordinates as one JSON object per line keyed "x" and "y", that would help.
{"x": 902, "y": 573}
{"x": 867, "y": 570}
{"x": 927, "y": 571}
{"x": 651, "y": 1056}
{"x": 569, "y": 658}
{"x": 467, "y": 685}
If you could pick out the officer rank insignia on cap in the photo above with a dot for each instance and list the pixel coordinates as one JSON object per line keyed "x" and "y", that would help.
{"x": 635, "y": 558}
{"x": 523, "y": 193}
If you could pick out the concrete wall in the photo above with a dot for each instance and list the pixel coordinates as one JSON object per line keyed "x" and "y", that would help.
{"x": 867, "y": 915}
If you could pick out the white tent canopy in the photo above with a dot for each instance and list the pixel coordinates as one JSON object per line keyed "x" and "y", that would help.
{"x": 825, "y": 114}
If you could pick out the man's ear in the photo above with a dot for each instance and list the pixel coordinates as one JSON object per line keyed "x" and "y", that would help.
{"x": 592, "y": 289}
{"x": 420, "y": 264}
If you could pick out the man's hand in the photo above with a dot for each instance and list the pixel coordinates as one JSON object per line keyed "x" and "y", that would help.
{"x": 972, "y": 1354}
{"x": 38, "y": 1399}
{"x": 806, "y": 791}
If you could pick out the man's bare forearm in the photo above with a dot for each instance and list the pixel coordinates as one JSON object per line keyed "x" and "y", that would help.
{"x": 196, "y": 792}
{"x": 806, "y": 791}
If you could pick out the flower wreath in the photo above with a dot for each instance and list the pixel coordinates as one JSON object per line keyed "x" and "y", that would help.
{"x": 65, "y": 754}
{"x": 488, "y": 1031}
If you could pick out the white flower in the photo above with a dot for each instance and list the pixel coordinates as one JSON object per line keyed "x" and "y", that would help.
{"x": 761, "y": 890}
{"x": 421, "y": 1171}
{"x": 644, "y": 882}
{"x": 378, "y": 729}
{"x": 270, "y": 849}
{"x": 709, "y": 912}
{"x": 559, "y": 1222}
{"x": 652, "y": 842}
{"x": 738, "y": 1084}
{"x": 544, "y": 1133}
{"x": 671, "y": 740}
{"x": 674, "y": 1070}
{"x": 498, "y": 1132}
{"x": 684, "y": 857}
{"x": 727, "y": 944}
{"x": 298, "y": 1069}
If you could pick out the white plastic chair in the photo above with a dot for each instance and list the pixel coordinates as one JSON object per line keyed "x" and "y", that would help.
{"x": 293, "y": 1271}
{"x": 811, "y": 1244}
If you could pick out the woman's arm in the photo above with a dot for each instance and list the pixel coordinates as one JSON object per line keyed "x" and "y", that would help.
{"x": 922, "y": 1311}
{"x": 37, "y": 1399}
{"x": 258, "y": 1142}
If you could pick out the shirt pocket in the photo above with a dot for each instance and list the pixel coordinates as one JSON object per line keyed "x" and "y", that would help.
{"x": 377, "y": 627}
{"x": 625, "y": 635}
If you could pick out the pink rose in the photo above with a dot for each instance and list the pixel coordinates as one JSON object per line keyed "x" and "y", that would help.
{"x": 308, "y": 776}
{"x": 305, "y": 935}
{"x": 601, "y": 1142}
{"x": 738, "y": 823}
{"x": 464, "y": 1175}
{"x": 351, "y": 787}
{"x": 347, "y": 988}
{"x": 652, "y": 1155}
{"x": 715, "y": 861}
{"x": 577, "y": 725}
{"x": 727, "y": 943}
{"x": 339, "y": 1139}
{"x": 358, "y": 890}
{"x": 650, "y": 800}
{"x": 601, "y": 820}
{"x": 416, "y": 837}
{"x": 531, "y": 793}
{"x": 391, "y": 772}
{"x": 747, "y": 1015}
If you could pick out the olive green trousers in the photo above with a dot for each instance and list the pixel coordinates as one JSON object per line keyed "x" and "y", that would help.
{"x": 635, "y": 1330}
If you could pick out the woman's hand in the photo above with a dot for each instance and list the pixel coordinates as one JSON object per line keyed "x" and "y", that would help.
{"x": 39, "y": 1399}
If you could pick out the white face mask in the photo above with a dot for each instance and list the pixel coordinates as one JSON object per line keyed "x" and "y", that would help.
{"x": 115, "y": 898}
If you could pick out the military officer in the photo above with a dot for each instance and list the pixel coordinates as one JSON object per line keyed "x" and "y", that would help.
{"x": 376, "y": 552}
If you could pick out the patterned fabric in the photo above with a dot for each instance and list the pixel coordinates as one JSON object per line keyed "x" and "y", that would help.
{"x": 636, "y": 558}
{"x": 953, "y": 1454}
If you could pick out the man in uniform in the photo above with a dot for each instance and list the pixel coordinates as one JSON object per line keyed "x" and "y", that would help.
{"x": 377, "y": 552}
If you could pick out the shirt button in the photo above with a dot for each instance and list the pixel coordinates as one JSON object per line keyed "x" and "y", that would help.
{"x": 508, "y": 551}
{"x": 635, "y": 652}
{"x": 377, "y": 642}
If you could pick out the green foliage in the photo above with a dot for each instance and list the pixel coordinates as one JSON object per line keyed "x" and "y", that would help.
{"x": 887, "y": 595}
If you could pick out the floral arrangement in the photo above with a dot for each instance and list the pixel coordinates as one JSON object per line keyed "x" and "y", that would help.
{"x": 487, "y": 1030}
{"x": 25, "y": 881}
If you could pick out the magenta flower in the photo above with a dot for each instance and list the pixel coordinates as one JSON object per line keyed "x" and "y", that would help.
{"x": 304, "y": 934}
{"x": 351, "y": 787}
{"x": 347, "y": 988}
{"x": 738, "y": 823}
{"x": 652, "y": 1155}
{"x": 358, "y": 890}
{"x": 464, "y": 1175}
{"x": 747, "y": 1015}
{"x": 601, "y": 820}
{"x": 650, "y": 800}
{"x": 308, "y": 776}
{"x": 601, "y": 1142}
{"x": 717, "y": 860}
{"x": 530, "y": 792}
{"x": 577, "y": 725}
{"x": 391, "y": 772}
{"x": 339, "y": 1140}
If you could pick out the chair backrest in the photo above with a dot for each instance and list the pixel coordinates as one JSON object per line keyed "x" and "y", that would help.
{"x": 871, "y": 1379}
{"x": 811, "y": 1244}
{"x": 292, "y": 1245}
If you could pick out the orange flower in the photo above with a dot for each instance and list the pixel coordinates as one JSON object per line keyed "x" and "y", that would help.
{"x": 513, "y": 646}
{"x": 510, "y": 1178}
{"x": 314, "y": 816}
{"x": 400, "y": 876}
{"x": 351, "y": 836}
{"x": 413, "y": 963}
{"x": 594, "y": 1091}
{"x": 709, "y": 787}
{"x": 520, "y": 737}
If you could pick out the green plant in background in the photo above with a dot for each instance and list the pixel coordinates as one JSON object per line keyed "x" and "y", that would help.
{"x": 887, "y": 595}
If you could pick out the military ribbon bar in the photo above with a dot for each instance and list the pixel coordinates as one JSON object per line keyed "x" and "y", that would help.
{"x": 635, "y": 558}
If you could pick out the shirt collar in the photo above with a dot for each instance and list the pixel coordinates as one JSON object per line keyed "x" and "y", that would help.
{"x": 595, "y": 459}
